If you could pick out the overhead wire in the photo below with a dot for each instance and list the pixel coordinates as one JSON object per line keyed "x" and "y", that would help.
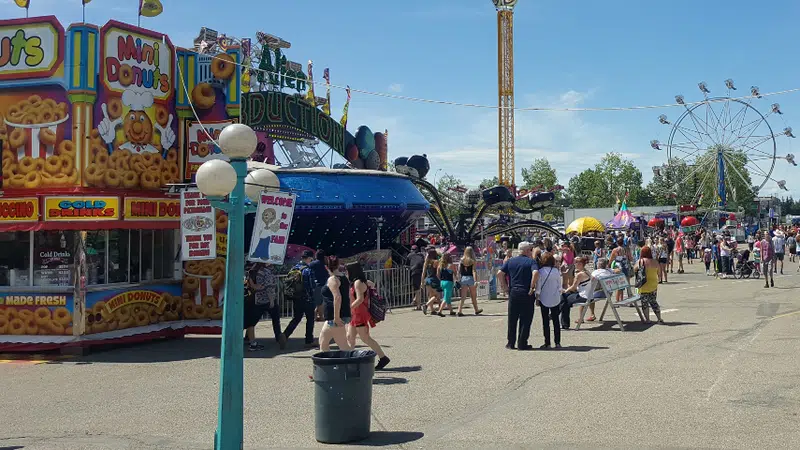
{"x": 189, "y": 99}
{"x": 531, "y": 108}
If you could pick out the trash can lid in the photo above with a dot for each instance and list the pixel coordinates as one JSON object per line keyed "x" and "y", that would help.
{"x": 343, "y": 357}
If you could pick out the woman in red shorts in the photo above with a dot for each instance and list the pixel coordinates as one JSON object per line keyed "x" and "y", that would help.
{"x": 359, "y": 307}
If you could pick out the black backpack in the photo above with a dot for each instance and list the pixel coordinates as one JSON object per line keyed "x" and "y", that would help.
{"x": 377, "y": 304}
{"x": 294, "y": 288}
{"x": 641, "y": 274}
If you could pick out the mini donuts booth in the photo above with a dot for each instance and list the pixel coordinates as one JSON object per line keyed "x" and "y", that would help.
{"x": 95, "y": 122}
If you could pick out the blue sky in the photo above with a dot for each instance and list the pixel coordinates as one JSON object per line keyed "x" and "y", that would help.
{"x": 568, "y": 53}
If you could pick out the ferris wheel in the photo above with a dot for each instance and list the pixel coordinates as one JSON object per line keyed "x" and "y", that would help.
{"x": 725, "y": 145}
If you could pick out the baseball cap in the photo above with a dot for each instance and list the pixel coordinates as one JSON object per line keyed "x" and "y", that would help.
{"x": 307, "y": 254}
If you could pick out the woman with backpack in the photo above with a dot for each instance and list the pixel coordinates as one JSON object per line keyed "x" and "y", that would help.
{"x": 359, "y": 308}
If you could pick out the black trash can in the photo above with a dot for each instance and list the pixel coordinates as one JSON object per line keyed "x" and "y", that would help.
{"x": 343, "y": 395}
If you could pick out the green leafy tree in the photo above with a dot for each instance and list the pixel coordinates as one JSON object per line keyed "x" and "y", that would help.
{"x": 455, "y": 201}
{"x": 490, "y": 182}
{"x": 619, "y": 177}
{"x": 610, "y": 179}
{"x": 738, "y": 184}
{"x": 541, "y": 173}
{"x": 587, "y": 190}
{"x": 675, "y": 183}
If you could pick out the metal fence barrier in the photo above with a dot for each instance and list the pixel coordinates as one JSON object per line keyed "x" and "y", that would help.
{"x": 393, "y": 284}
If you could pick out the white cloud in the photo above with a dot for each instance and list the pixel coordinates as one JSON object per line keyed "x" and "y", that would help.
{"x": 567, "y": 139}
{"x": 396, "y": 87}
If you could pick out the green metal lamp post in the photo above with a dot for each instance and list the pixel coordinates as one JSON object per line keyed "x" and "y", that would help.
{"x": 224, "y": 184}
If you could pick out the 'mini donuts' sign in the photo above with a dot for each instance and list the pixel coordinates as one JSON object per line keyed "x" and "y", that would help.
{"x": 137, "y": 59}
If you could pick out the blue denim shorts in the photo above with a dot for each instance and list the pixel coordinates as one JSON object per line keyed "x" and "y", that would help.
{"x": 345, "y": 320}
{"x": 467, "y": 280}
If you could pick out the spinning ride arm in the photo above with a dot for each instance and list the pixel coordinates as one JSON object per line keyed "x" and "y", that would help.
{"x": 526, "y": 211}
{"x": 481, "y": 211}
{"x": 499, "y": 229}
{"x": 435, "y": 219}
{"x": 448, "y": 227}
{"x": 536, "y": 201}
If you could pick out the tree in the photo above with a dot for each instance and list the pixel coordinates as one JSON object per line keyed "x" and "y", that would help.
{"x": 610, "y": 179}
{"x": 620, "y": 177}
{"x": 675, "y": 183}
{"x": 449, "y": 188}
{"x": 490, "y": 182}
{"x": 541, "y": 175}
{"x": 738, "y": 185}
{"x": 586, "y": 190}
{"x": 789, "y": 206}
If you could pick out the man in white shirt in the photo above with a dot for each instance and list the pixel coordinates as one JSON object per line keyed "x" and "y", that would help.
{"x": 779, "y": 244}
{"x": 602, "y": 269}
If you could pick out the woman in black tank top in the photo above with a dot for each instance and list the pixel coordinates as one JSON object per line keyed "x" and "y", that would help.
{"x": 467, "y": 278}
{"x": 336, "y": 304}
{"x": 328, "y": 299}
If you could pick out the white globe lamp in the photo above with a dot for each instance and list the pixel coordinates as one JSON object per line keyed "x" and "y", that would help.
{"x": 238, "y": 141}
{"x": 216, "y": 178}
{"x": 260, "y": 180}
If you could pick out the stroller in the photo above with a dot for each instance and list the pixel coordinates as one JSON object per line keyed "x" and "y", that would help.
{"x": 744, "y": 267}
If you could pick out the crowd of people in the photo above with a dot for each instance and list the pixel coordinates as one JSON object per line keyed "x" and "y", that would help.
{"x": 553, "y": 275}
{"x": 321, "y": 289}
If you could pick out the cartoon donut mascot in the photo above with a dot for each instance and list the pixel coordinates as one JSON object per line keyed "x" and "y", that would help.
{"x": 137, "y": 125}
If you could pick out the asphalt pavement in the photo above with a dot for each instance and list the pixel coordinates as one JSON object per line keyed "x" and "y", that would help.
{"x": 721, "y": 373}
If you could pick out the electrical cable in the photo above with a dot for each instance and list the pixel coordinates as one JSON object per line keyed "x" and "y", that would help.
{"x": 533, "y": 108}
{"x": 189, "y": 99}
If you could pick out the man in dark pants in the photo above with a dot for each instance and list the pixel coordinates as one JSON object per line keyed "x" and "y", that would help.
{"x": 521, "y": 296}
{"x": 304, "y": 301}
{"x": 320, "y": 273}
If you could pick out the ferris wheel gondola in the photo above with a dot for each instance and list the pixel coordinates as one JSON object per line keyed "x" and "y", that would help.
{"x": 725, "y": 142}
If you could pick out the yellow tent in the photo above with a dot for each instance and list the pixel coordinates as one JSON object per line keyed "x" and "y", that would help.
{"x": 585, "y": 224}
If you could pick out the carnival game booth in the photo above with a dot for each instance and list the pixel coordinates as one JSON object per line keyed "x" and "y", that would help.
{"x": 91, "y": 137}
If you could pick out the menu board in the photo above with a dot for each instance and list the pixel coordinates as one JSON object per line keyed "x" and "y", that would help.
{"x": 53, "y": 267}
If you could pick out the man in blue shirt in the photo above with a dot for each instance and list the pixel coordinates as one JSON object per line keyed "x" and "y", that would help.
{"x": 521, "y": 296}
{"x": 303, "y": 300}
